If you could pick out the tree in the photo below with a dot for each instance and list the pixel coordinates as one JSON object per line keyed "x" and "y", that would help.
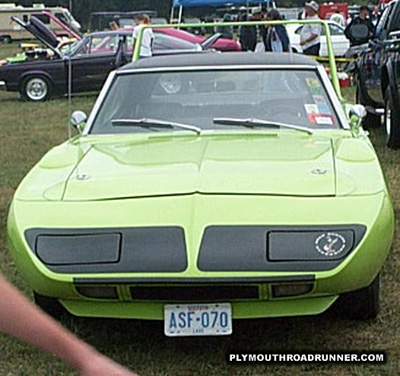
{"x": 81, "y": 9}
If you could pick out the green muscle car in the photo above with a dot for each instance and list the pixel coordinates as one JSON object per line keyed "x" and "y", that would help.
{"x": 208, "y": 188}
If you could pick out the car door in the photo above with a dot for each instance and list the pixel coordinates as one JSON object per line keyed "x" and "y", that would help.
{"x": 92, "y": 63}
{"x": 374, "y": 58}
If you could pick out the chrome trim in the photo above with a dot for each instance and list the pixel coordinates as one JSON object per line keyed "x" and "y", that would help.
{"x": 215, "y": 67}
{"x": 98, "y": 103}
{"x": 334, "y": 98}
{"x": 3, "y": 85}
{"x": 375, "y": 111}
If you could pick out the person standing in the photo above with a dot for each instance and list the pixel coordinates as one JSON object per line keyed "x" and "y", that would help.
{"x": 226, "y": 31}
{"x": 146, "y": 47}
{"x": 338, "y": 18}
{"x": 277, "y": 39}
{"x": 361, "y": 19}
{"x": 375, "y": 15}
{"x": 114, "y": 25}
{"x": 310, "y": 33}
{"x": 247, "y": 35}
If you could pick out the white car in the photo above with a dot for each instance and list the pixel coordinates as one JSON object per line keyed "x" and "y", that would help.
{"x": 339, "y": 40}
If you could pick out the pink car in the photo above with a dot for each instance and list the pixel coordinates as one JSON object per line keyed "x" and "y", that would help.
{"x": 222, "y": 44}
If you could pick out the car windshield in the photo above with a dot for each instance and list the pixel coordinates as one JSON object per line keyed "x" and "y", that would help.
{"x": 74, "y": 47}
{"x": 291, "y": 96}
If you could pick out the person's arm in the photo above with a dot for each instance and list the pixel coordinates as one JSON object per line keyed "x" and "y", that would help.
{"x": 22, "y": 319}
{"x": 315, "y": 33}
{"x": 134, "y": 37}
{"x": 283, "y": 36}
{"x": 347, "y": 31}
{"x": 309, "y": 39}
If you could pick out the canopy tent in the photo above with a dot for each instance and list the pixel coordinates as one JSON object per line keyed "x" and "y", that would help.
{"x": 214, "y": 3}
{"x": 205, "y": 3}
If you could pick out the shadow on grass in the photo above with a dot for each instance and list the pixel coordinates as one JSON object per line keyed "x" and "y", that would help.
{"x": 316, "y": 333}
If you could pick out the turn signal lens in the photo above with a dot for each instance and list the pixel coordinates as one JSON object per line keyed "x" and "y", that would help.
{"x": 280, "y": 291}
{"x": 98, "y": 292}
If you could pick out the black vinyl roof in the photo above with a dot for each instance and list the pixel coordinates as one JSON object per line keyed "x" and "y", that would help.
{"x": 212, "y": 59}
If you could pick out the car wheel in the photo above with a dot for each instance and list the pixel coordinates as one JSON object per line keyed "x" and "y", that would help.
{"x": 35, "y": 89}
{"x": 371, "y": 120}
{"x": 49, "y": 305}
{"x": 7, "y": 39}
{"x": 392, "y": 121}
{"x": 362, "y": 304}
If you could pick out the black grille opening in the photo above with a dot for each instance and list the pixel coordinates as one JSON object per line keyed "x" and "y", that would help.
{"x": 194, "y": 293}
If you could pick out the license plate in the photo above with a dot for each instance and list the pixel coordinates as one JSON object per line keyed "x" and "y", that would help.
{"x": 198, "y": 320}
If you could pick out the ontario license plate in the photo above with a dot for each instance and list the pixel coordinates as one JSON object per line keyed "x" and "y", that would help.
{"x": 198, "y": 320}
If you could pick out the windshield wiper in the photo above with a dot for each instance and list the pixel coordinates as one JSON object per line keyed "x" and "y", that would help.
{"x": 251, "y": 123}
{"x": 155, "y": 123}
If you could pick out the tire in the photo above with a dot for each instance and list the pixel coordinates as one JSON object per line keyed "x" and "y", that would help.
{"x": 392, "y": 121}
{"x": 49, "y": 305}
{"x": 36, "y": 89}
{"x": 371, "y": 120}
{"x": 7, "y": 39}
{"x": 362, "y": 304}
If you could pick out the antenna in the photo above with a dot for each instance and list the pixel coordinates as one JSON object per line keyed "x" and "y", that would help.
{"x": 70, "y": 81}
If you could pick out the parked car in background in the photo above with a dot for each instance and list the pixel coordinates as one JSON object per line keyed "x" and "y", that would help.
{"x": 64, "y": 24}
{"x": 14, "y": 31}
{"x": 39, "y": 76}
{"x": 339, "y": 41}
{"x": 222, "y": 44}
{"x": 378, "y": 74}
{"x": 290, "y": 13}
{"x": 100, "y": 21}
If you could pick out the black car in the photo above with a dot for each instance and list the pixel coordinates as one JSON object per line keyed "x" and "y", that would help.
{"x": 378, "y": 74}
{"x": 46, "y": 72}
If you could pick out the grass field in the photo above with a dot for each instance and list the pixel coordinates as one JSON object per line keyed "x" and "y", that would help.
{"x": 28, "y": 130}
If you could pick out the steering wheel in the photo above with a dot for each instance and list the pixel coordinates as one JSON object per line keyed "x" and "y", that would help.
{"x": 283, "y": 112}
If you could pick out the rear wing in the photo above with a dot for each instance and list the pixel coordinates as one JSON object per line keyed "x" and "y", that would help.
{"x": 324, "y": 24}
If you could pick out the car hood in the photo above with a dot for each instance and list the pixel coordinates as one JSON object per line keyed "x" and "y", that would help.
{"x": 175, "y": 165}
{"x": 41, "y": 32}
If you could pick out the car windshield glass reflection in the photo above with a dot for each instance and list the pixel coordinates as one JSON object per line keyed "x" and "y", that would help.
{"x": 295, "y": 97}
{"x": 75, "y": 47}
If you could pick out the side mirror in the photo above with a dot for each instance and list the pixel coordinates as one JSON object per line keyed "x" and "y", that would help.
{"x": 357, "y": 113}
{"x": 78, "y": 120}
{"x": 358, "y": 110}
{"x": 394, "y": 34}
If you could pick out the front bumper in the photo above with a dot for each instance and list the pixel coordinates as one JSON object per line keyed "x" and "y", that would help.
{"x": 240, "y": 310}
{"x": 356, "y": 271}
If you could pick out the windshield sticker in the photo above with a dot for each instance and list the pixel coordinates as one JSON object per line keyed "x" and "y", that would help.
{"x": 324, "y": 120}
{"x": 323, "y": 108}
{"x": 312, "y": 82}
{"x": 311, "y": 108}
{"x": 314, "y": 85}
{"x": 312, "y": 112}
{"x": 319, "y": 99}
{"x": 316, "y": 91}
